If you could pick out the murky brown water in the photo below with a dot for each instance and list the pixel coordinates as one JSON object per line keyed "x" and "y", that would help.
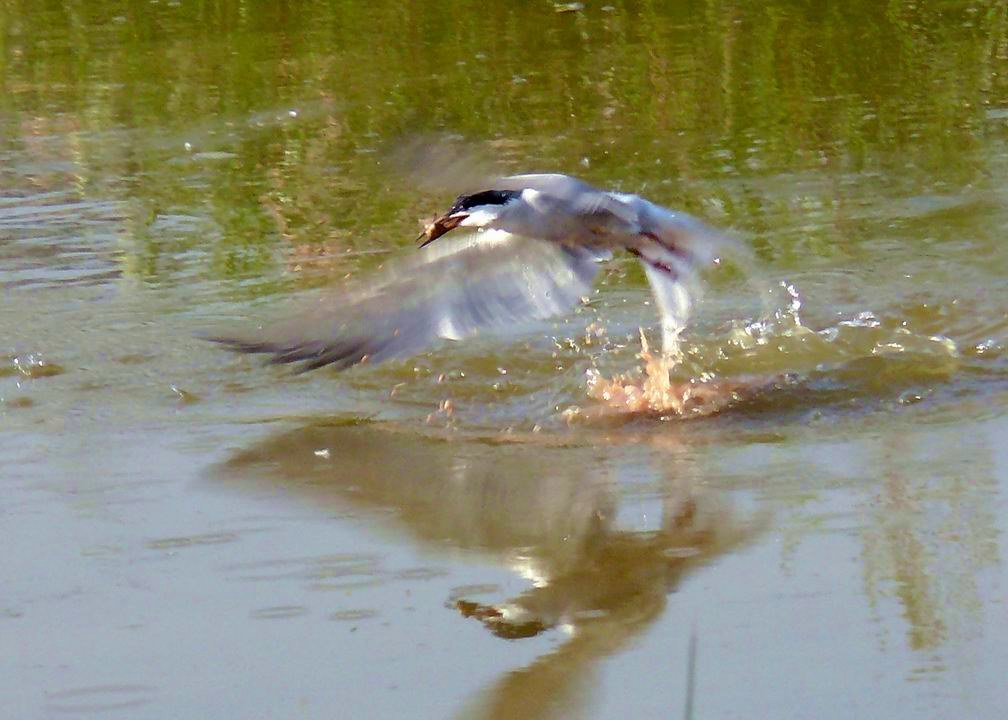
{"x": 476, "y": 531}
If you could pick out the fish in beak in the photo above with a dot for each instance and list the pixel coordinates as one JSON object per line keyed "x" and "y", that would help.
{"x": 440, "y": 226}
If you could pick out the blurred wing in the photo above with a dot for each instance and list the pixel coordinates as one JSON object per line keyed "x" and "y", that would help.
{"x": 451, "y": 291}
{"x": 439, "y": 164}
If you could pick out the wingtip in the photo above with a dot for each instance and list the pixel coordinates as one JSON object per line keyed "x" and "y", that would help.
{"x": 207, "y": 336}
{"x": 237, "y": 344}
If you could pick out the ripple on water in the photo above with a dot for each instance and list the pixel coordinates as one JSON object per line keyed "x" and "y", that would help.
{"x": 99, "y": 698}
{"x": 59, "y": 238}
{"x": 322, "y": 573}
{"x": 29, "y": 365}
{"x": 420, "y": 573}
{"x": 462, "y": 591}
{"x": 354, "y": 614}
{"x": 174, "y": 543}
{"x": 183, "y": 396}
{"x": 279, "y": 612}
{"x": 17, "y": 403}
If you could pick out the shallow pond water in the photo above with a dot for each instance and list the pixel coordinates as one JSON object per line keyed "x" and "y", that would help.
{"x": 475, "y": 531}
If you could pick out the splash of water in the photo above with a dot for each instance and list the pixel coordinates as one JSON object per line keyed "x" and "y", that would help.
{"x": 655, "y": 389}
{"x": 864, "y": 354}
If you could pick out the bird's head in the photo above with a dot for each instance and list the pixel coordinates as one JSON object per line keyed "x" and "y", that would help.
{"x": 473, "y": 210}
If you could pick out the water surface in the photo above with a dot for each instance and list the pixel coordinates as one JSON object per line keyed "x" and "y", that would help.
{"x": 189, "y": 533}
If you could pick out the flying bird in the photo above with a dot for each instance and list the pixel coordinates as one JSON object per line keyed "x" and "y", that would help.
{"x": 534, "y": 249}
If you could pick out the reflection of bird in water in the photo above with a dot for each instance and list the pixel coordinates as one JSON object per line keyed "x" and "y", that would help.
{"x": 541, "y": 242}
{"x": 640, "y": 569}
{"x": 556, "y": 513}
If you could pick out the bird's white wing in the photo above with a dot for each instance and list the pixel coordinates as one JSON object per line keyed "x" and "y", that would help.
{"x": 450, "y": 290}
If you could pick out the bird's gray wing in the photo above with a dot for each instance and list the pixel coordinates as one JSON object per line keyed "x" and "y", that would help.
{"x": 450, "y": 290}
{"x": 555, "y": 184}
{"x": 577, "y": 196}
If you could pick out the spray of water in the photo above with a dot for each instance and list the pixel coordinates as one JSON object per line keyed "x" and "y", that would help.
{"x": 758, "y": 356}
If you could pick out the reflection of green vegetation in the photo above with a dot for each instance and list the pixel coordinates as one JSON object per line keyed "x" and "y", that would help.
{"x": 687, "y": 95}
{"x": 929, "y": 540}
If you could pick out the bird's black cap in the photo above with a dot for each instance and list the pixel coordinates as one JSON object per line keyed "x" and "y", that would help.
{"x": 462, "y": 203}
{"x": 487, "y": 197}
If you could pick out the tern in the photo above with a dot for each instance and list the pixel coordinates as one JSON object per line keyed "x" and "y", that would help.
{"x": 534, "y": 250}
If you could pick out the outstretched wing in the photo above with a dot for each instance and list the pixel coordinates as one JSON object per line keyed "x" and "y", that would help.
{"x": 450, "y": 290}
